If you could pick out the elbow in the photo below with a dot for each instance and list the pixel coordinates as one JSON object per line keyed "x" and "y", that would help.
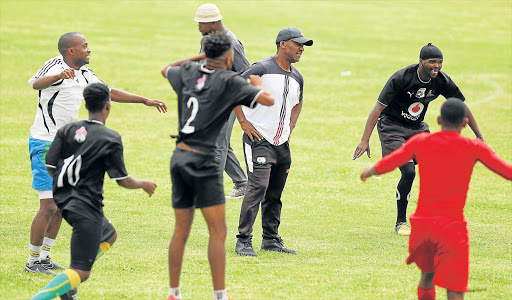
{"x": 163, "y": 71}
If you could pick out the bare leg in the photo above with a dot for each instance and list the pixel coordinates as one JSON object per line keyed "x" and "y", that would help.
{"x": 48, "y": 211}
{"x": 426, "y": 280}
{"x": 184, "y": 218}
{"x": 452, "y": 295}
{"x": 426, "y": 289}
{"x": 54, "y": 225}
{"x": 84, "y": 275}
{"x": 215, "y": 217}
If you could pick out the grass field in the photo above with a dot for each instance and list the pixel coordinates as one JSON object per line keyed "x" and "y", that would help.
{"x": 342, "y": 228}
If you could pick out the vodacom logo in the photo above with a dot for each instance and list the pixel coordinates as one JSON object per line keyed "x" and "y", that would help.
{"x": 416, "y": 108}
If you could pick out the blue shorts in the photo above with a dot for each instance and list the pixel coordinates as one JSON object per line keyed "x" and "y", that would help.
{"x": 41, "y": 179}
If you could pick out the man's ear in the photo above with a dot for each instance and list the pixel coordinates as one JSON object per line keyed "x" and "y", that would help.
{"x": 439, "y": 121}
{"x": 107, "y": 106}
{"x": 464, "y": 123}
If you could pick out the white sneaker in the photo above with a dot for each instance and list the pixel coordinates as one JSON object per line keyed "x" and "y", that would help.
{"x": 403, "y": 229}
{"x": 237, "y": 193}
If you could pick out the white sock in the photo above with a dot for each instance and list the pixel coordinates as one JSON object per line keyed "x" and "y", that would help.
{"x": 220, "y": 295}
{"x": 33, "y": 253}
{"x": 175, "y": 292}
{"x": 47, "y": 246}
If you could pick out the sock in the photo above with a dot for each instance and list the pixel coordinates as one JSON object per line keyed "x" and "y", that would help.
{"x": 426, "y": 294}
{"x": 33, "y": 254}
{"x": 175, "y": 292}
{"x": 59, "y": 285}
{"x": 403, "y": 191}
{"x": 104, "y": 246}
{"x": 220, "y": 295}
{"x": 47, "y": 246}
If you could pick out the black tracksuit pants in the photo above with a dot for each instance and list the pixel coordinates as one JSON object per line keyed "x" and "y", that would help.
{"x": 267, "y": 170}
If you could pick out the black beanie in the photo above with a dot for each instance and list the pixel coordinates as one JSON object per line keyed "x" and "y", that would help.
{"x": 430, "y": 51}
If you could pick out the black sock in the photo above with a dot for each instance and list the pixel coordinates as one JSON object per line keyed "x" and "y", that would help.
{"x": 403, "y": 191}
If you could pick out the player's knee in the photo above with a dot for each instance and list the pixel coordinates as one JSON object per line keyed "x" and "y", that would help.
{"x": 181, "y": 233}
{"x": 408, "y": 171}
{"x": 219, "y": 231}
{"x": 426, "y": 279}
{"x": 48, "y": 207}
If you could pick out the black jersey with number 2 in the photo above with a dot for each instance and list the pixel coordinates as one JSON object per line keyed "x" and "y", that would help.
{"x": 81, "y": 153}
{"x": 205, "y": 100}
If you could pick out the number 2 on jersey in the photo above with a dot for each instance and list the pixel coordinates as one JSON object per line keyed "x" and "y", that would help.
{"x": 195, "y": 107}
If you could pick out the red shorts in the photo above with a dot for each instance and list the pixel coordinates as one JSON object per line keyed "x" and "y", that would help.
{"x": 441, "y": 245}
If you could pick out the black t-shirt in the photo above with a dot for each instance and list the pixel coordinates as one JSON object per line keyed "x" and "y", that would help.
{"x": 407, "y": 97}
{"x": 205, "y": 100}
{"x": 81, "y": 153}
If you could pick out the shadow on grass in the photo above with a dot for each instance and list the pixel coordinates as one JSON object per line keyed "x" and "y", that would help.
{"x": 476, "y": 290}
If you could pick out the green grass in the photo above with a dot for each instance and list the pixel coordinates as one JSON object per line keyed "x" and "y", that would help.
{"x": 341, "y": 227}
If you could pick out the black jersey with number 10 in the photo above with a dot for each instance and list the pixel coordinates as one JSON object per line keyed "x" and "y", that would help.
{"x": 205, "y": 100}
{"x": 81, "y": 154}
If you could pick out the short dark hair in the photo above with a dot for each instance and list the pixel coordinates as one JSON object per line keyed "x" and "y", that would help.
{"x": 95, "y": 96}
{"x": 453, "y": 111}
{"x": 215, "y": 45}
{"x": 66, "y": 41}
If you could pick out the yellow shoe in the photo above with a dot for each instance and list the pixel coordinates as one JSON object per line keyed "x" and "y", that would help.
{"x": 403, "y": 229}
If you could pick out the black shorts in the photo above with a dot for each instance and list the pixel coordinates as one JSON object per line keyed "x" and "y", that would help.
{"x": 394, "y": 133}
{"x": 196, "y": 180}
{"x": 86, "y": 238}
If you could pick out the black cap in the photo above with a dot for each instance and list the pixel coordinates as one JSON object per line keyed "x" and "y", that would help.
{"x": 290, "y": 33}
{"x": 430, "y": 51}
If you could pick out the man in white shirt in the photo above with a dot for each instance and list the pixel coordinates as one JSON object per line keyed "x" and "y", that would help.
{"x": 266, "y": 134}
{"x": 60, "y": 83}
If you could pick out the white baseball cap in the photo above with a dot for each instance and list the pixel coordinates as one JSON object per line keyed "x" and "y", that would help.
{"x": 208, "y": 12}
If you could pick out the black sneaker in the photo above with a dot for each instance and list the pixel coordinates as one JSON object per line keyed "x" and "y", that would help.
{"x": 70, "y": 295}
{"x": 48, "y": 264}
{"x": 275, "y": 245}
{"x": 36, "y": 267}
{"x": 244, "y": 247}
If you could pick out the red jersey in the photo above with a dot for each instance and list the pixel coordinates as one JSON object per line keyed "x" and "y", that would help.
{"x": 445, "y": 161}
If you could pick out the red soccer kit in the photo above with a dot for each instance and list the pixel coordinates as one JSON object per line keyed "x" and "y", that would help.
{"x": 439, "y": 237}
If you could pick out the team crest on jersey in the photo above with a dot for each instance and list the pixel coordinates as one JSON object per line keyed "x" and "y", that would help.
{"x": 200, "y": 83}
{"x": 80, "y": 135}
{"x": 415, "y": 109}
{"x": 421, "y": 93}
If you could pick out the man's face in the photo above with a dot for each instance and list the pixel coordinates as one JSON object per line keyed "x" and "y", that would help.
{"x": 81, "y": 51}
{"x": 206, "y": 28}
{"x": 432, "y": 66}
{"x": 294, "y": 50}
